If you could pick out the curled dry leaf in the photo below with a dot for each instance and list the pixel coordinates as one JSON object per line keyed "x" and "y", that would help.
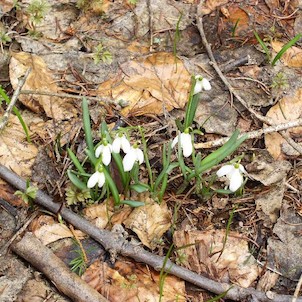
{"x": 149, "y": 222}
{"x": 15, "y": 152}
{"x": 39, "y": 79}
{"x": 48, "y": 231}
{"x": 129, "y": 281}
{"x": 202, "y": 254}
{"x": 150, "y": 85}
{"x": 289, "y": 108}
{"x": 292, "y": 57}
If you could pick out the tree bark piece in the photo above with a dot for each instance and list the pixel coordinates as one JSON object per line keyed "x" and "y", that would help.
{"x": 31, "y": 249}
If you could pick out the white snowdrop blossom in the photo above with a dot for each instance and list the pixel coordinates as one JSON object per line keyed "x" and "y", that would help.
{"x": 120, "y": 142}
{"x": 201, "y": 84}
{"x": 105, "y": 150}
{"x": 133, "y": 155}
{"x": 185, "y": 142}
{"x": 96, "y": 178}
{"x": 234, "y": 173}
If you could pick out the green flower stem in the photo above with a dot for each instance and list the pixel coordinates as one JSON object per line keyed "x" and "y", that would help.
{"x": 191, "y": 105}
{"x": 113, "y": 188}
{"x": 146, "y": 158}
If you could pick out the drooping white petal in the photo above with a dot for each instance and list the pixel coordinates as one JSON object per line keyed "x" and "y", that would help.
{"x": 116, "y": 145}
{"x": 225, "y": 170}
{"x": 206, "y": 84}
{"x": 236, "y": 180}
{"x": 106, "y": 155}
{"x": 186, "y": 143}
{"x": 125, "y": 144}
{"x": 175, "y": 141}
{"x": 101, "y": 179}
{"x": 198, "y": 87}
{"x": 139, "y": 155}
{"x": 99, "y": 150}
{"x": 93, "y": 180}
{"x": 129, "y": 160}
{"x": 241, "y": 168}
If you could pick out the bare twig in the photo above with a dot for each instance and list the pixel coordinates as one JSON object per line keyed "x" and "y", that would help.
{"x": 111, "y": 242}
{"x": 4, "y": 119}
{"x": 297, "y": 290}
{"x": 252, "y": 134}
{"x": 265, "y": 119}
{"x": 31, "y": 249}
{"x": 68, "y": 95}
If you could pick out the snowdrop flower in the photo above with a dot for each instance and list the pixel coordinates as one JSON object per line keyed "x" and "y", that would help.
{"x": 97, "y": 177}
{"x": 185, "y": 142}
{"x": 133, "y": 155}
{"x": 104, "y": 149}
{"x": 234, "y": 174}
{"x": 201, "y": 84}
{"x": 119, "y": 142}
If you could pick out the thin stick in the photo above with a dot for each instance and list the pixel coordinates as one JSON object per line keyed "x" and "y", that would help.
{"x": 67, "y": 95}
{"x": 4, "y": 119}
{"x": 297, "y": 290}
{"x": 111, "y": 242}
{"x": 252, "y": 134}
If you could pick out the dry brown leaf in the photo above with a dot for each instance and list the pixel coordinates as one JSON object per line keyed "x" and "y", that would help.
{"x": 48, "y": 231}
{"x": 99, "y": 214}
{"x": 39, "y": 79}
{"x": 7, "y": 5}
{"x": 15, "y": 152}
{"x": 211, "y": 5}
{"x": 129, "y": 281}
{"x": 287, "y": 109}
{"x": 150, "y": 85}
{"x": 236, "y": 13}
{"x": 235, "y": 264}
{"x": 292, "y": 57}
{"x": 149, "y": 222}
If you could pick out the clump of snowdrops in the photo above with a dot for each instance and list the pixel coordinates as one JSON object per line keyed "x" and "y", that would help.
{"x": 93, "y": 180}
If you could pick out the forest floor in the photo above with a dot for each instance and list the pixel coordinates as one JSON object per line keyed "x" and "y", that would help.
{"x": 135, "y": 62}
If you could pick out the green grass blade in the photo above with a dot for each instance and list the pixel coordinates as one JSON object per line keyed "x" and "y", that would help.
{"x": 75, "y": 161}
{"x": 285, "y": 48}
{"x": 262, "y": 44}
{"x": 87, "y": 126}
{"x": 17, "y": 113}
{"x": 76, "y": 181}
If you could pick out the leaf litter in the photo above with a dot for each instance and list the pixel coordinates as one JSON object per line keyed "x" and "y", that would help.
{"x": 154, "y": 84}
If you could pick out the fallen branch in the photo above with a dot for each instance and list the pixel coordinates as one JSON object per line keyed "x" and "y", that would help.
{"x": 41, "y": 257}
{"x": 265, "y": 119}
{"x": 112, "y": 243}
{"x": 252, "y": 134}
